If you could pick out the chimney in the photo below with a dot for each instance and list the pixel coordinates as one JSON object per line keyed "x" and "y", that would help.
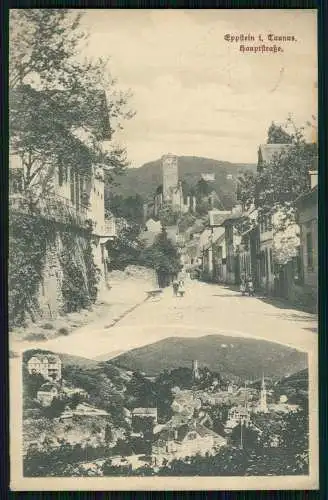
{"x": 313, "y": 178}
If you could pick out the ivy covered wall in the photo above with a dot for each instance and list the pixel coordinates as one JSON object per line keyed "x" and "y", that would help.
{"x": 51, "y": 269}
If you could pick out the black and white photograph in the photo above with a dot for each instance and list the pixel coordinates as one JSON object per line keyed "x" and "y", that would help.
{"x": 157, "y": 411}
{"x": 163, "y": 249}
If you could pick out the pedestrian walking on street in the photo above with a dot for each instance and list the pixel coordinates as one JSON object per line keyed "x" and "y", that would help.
{"x": 250, "y": 286}
{"x": 243, "y": 285}
{"x": 181, "y": 289}
{"x": 175, "y": 286}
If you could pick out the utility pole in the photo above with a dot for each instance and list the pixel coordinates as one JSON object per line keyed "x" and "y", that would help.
{"x": 241, "y": 435}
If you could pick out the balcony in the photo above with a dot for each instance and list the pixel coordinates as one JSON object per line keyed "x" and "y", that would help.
{"x": 52, "y": 207}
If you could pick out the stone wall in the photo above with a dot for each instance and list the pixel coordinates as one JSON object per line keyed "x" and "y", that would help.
{"x": 51, "y": 299}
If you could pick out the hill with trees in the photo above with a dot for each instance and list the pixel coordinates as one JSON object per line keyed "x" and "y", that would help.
{"x": 144, "y": 180}
{"x": 233, "y": 357}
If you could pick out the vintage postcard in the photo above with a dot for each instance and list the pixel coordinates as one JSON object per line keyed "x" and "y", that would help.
{"x": 163, "y": 251}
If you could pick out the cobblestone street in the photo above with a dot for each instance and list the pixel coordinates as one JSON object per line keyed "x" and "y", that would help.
{"x": 134, "y": 322}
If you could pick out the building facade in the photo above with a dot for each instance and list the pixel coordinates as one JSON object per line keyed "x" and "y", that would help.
{"x": 307, "y": 207}
{"x": 46, "y": 394}
{"x": 49, "y": 366}
{"x": 186, "y": 440}
{"x": 71, "y": 198}
{"x": 170, "y": 176}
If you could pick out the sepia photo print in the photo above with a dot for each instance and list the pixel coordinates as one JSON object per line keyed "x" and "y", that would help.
{"x": 163, "y": 249}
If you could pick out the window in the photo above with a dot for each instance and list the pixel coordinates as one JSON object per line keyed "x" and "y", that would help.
{"x": 72, "y": 187}
{"x": 60, "y": 174}
{"x": 297, "y": 269}
{"x": 77, "y": 187}
{"x": 262, "y": 263}
{"x": 309, "y": 250}
{"x": 271, "y": 261}
{"x": 267, "y": 223}
{"x": 267, "y": 262}
{"x": 81, "y": 187}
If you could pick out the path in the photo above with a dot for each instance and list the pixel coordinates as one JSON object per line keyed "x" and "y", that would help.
{"x": 206, "y": 309}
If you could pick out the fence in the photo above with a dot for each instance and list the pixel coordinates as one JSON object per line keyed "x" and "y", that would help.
{"x": 52, "y": 207}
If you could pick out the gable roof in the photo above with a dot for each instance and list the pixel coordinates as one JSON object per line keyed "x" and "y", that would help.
{"x": 230, "y": 219}
{"x": 217, "y": 239}
{"x": 216, "y": 217}
{"x": 205, "y": 431}
{"x": 45, "y": 358}
{"x": 267, "y": 152}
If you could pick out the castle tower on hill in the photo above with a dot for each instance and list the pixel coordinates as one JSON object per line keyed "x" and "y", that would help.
{"x": 170, "y": 175}
{"x": 170, "y": 192}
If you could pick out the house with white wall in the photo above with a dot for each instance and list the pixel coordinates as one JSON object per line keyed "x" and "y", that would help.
{"x": 70, "y": 196}
{"x": 49, "y": 366}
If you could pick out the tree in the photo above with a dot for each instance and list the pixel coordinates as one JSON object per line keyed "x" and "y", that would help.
{"x": 56, "y": 408}
{"x": 202, "y": 189}
{"x": 129, "y": 208}
{"x": 186, "y": 221}
{"x": 48, "y": 78}
{"x": 282, "y": 180}
{"x": 167, "y": 215}
{"x": 32, "y": 383}
{"x": 108, "y": 434}
{"x": 277, "y": 135}
{"x": 163, "y": 257}
{"x": 127, "y": 248}
{"x": 295, "y": 437}
{"x": 246, "y": 189}
{"x": 245, "y": 437}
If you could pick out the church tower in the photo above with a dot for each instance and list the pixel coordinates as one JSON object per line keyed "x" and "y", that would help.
{"x": 170, "y": 175}
{"x": 263, "y": 398}
{"x": 195, "y": 371}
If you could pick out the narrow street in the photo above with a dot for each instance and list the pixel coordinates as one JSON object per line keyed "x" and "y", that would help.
{"x": 206, "y": 309}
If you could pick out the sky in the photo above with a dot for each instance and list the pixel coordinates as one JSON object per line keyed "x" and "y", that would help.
{"x": 195, "y": 93}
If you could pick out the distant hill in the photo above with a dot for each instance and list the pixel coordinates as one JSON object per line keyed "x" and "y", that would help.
{"x": 297, "y": 381}
{"x": 231, "y": 356}
{"x": 145, "y": 179}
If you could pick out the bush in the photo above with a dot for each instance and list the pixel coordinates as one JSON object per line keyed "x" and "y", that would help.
{"x": 36, "y": 337}
{"x": 79, "y": 286}
{"x": 63, "y": 331}
{"x": 48, "y": 326}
